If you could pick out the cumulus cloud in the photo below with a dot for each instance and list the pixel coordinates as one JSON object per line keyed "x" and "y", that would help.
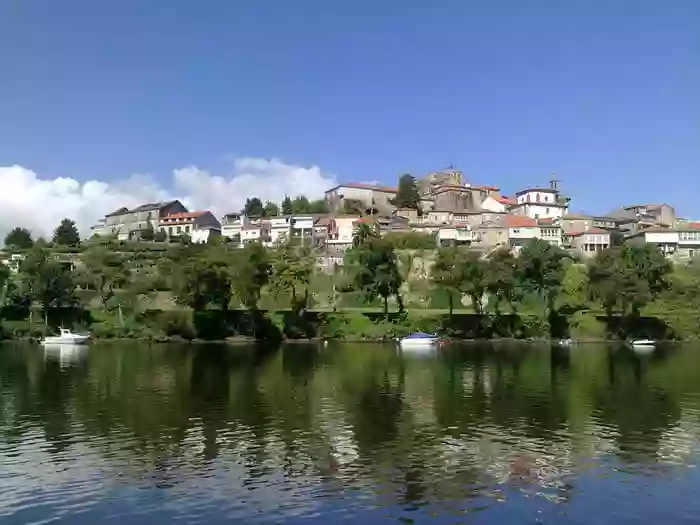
{"x": 39, "y": 204}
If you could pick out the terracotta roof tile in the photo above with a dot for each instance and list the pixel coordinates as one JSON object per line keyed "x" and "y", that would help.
{"x": 184, "y": 215}
{"x": 506, "y": 200}
{"x": 516, "y": 221}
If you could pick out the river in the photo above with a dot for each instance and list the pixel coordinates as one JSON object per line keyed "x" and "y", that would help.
{"x": 513, "y": 433}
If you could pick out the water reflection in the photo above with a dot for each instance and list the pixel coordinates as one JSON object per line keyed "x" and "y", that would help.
{"x": 308, "y": 431}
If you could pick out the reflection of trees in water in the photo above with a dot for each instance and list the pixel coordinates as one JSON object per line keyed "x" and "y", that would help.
{"x": 360, "y": 415}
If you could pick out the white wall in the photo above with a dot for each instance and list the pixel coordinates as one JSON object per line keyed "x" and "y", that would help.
{"x": 492, "y": 204}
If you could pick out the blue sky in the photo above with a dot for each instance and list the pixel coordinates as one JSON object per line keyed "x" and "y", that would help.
{"x": 605, "y": 93}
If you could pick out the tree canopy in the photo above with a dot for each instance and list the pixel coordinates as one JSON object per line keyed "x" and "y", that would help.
{"x": 407, "y": 195}
{"x": 19, "y": 238}
{"x": 66, "y": 234}
{"x": 253, "y": 207}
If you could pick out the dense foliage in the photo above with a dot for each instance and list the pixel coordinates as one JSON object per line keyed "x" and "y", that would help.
{"x": 197, "y": 290}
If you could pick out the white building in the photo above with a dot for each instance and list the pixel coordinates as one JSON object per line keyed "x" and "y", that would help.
{"x": 198, "y": 225}
{"x": 456, "y": 235}
{"x": 682, "y": 243}
{"x": 297, "y": 227}
{"x": 498, "y": 204}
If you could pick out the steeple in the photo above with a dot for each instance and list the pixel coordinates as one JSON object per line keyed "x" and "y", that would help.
{"x": 554, "y": 182}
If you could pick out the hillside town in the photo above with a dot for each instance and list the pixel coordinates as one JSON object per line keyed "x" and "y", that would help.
{"x": 451, "y": 209}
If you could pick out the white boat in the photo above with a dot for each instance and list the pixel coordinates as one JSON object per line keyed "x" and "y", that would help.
{"x": 419, "y": 340}
{"x": 642, "y": 342}
{"x": 565, "y": 342}
{"x": 66, "y": 337}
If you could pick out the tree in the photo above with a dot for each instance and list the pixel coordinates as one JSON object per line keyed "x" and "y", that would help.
{"x": 4, "y": 285}
{"x": 271, "y": 209}
{"x": 411, "y": 240}
{"x": 318, "y": 206}
{"x": 375, "y": 271}
{"x": 300, "y": 205}
{"x": 541, "y": 269}
{"x": 473, "y": 279}
{"x": 160, "y": 236}
{"x": 353, "y": 207}
{"x": 407, "y": 193}
{"x": 106, "y": 271}
{"x": 364, "y": 232}
{"x": 19, "y": 238}
{"x": 502, "y": 279}
{"x": 446, "y": 273}
{"x": 49, "y": 282}
{"x": 250, "y": 273}
{"x": 253, "y": 207}
{"x": 203, "y": 283}
{"x": 148, "y": 233}
{"x": 625, "y": 278}
{"x": 66, "y": 234}
{"x": 292, "y": 267}
{"x": 287, "y": 208}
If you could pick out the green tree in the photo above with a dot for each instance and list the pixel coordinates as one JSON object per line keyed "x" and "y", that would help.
{"x": 300, "y": 205}
{"x": 318, "y": 206}
{"x": 250, "y": 273}
{"x": 411, "y": 240}
{"x": 375, "y": 271}
{"x": 66, "y": 234}
{"x": 292, "y": 267}
{"x": 49, "y": 282}
{"x": 287, "y": 207}
{"x": 19, "y": 238}
{"x": 203, "y": 283}
{"x": 4, "y": 285}
{"x": 353, "y": 207}
{"x": 407, "y": 195}
{"x": 253, "y": 207}
{"x": 446, "y": 273}
{"x": 148, "y": 233}
{"x": 160, "y": 236}
{"x": 106, "y": 271}
{"x": 626, "y": 278}
{"x": 541, "y": 269}
{"x": 502, "y": 279}
{"x": 364, "y": 232}
{"x": 271, "y": 209}
{"x": 473, "y": 279}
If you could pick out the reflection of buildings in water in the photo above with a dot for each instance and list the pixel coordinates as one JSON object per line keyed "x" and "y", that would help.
{"x": 65, "y": 355}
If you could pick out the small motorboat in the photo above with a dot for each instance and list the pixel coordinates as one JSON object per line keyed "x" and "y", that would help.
{"x": 419, "y": 340}
{"x": 642, "y": 342}
{"x": 66, "y": 337}
{"x": 565, "y": 342}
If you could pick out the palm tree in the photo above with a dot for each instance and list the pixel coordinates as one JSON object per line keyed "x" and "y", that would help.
{"x": 364, "y": 231}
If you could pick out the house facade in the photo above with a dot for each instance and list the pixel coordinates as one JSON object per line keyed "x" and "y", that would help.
{"x": 127, "y": 224}
{"x": 679, "y": 244}
{"x": 198, "y": 225}
{"x": 371, "y": 197}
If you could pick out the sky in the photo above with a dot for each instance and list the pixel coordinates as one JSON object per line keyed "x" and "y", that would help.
{"x": 104, "y": 104}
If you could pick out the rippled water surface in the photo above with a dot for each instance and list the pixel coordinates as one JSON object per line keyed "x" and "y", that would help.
{"x": 136, "y": 434}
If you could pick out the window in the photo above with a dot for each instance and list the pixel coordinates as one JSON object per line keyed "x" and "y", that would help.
{"x": 537, "y": 197}
{"x": 546, "y": 210}
{"x": 528, "y": 197}
{"x": 187, "y": 229}
{"x": 516, "y": 230}
{"x": 179, "y": 229}
{"x": 170, "y": 230}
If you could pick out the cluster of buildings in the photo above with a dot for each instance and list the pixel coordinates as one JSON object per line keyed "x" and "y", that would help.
{"x": 454, "y": 211}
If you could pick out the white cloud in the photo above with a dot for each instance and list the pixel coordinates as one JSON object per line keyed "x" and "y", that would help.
{"x": 39, "y": 204}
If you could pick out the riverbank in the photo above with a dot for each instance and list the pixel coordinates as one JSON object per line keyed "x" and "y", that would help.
{"x": 244, "y": 326}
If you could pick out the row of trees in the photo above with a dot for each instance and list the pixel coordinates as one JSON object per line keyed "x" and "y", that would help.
{"x": 300, "y": 205}
{"x": 65, "y": 234}
{"x": 622, "y": 280}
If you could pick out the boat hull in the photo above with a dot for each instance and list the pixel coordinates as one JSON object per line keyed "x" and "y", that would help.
{"x": 417, "y": 344}
{"x": 63, "y": 340}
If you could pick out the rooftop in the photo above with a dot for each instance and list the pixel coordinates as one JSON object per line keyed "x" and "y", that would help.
{"x": 506, "y": 200}
{"x": 361, "y": 186}
{"x": 546, "y": 190}
{"x": 518, "y": 221}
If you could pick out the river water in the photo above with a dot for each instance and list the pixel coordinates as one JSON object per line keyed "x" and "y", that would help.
{"x": 138, "y": 434}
